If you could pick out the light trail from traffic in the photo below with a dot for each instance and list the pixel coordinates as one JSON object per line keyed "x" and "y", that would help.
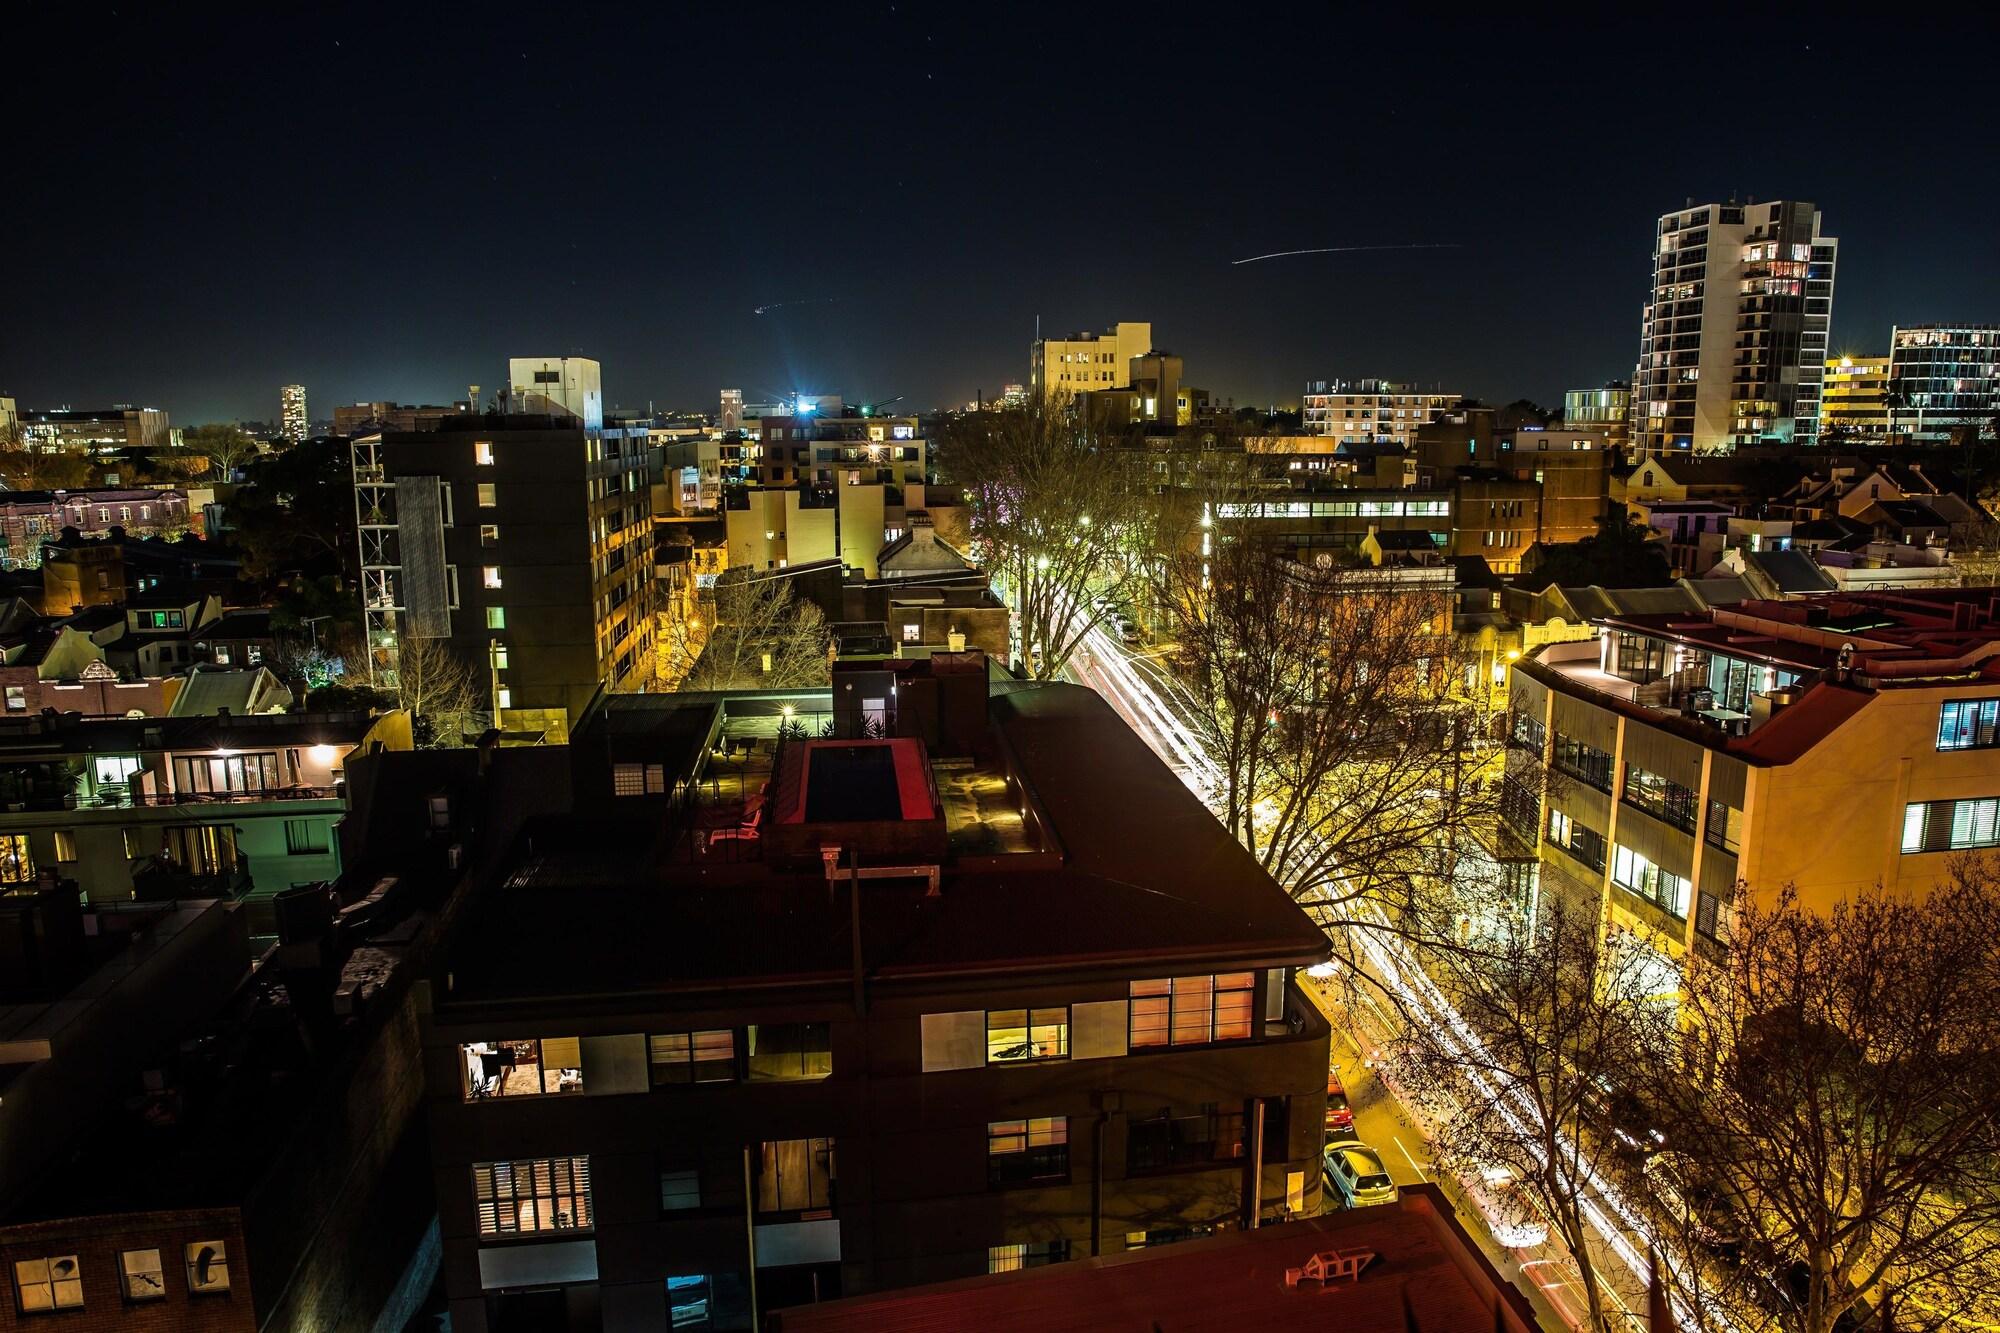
{"x": 1103, "y": 666}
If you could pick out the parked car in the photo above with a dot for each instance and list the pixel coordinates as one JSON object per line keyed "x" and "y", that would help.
{"x": 1693, "y": 1205}
{"x": 1128, "y": 633}
{"x": 1618, "y": 1117}
{"x": 1355, "y": 1174}
{"x": 1339, "y": 1115}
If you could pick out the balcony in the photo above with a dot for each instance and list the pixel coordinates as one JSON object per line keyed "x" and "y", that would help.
{"x": 258, "y": 797}
{"x": 161, "y": 879}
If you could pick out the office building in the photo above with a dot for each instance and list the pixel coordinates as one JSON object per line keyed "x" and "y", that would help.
{"x": 1608, "y": 409}
{"x": 1732, "y": 345}
{"x": 559, "y": 386}
{"x": 1058, "y": 367}
{"x": 1854, "y": 398}
{"x": 523, "y": 541}
{"x": 973, "y": 984}
{"x": 293, "y": 423}
{"x": 1824, "y": 743}
{"x": 1944, "y": 376}
{"x": 1370, "y": 411}
{"x": 96, "y": 430}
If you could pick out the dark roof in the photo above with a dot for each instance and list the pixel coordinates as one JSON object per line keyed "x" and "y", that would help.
{"x": 1427, "y": 1276}
{"x": 250, "y": 623}
{"x": 1407, "y": 539}
{"x": 1472, "y": 571}
{"x": 1793, "y": 571}
{"x": 1148, "y": 875}
{"x": 67, "y": 733}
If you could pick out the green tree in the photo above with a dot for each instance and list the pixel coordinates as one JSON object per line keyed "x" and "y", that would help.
{"x": 295, "y": 511}
{"x": 39, "y": 470}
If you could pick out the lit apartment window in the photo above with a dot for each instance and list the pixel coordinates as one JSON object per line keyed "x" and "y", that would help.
{"x": 496, "y": 651}
{"x": 529, "y": 1068}
{"x": 1185, "y": 1011}
{"x": 49, "y": 1284}
{"x": 789, "y": 1052}
{"x": 1636, "y": 874}
{"x": 305, "y": 837}
{"x": 496, "y": 617}
{"x": 489, "y": 575}
{"x": 1014, "y": 1258}
{"x": 17, "y": 864}
{"x": 1027, "y": 1152}
{"x": 1016, "y": 1035}
{"x": 482, "y": 452}
{"x": 503, "y": 697}
{"x": 207, "y": 1266}
{"x": 489, "y": 495}
{"x": 142, "y": 1275}
{"x": 536, "y": 1195}
{"x": 682, "y": 1058}
{"x": 795, "y": 1176}
{"x": 489, "y": 534}
{"x": 638, "y": 779}
{"x": 1950, "y": 826}
{"x": 1963, "y": 724}
{"x": 65, "y": 846}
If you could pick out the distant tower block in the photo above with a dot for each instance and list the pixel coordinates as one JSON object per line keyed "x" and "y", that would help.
{"x": 294, "y": 425}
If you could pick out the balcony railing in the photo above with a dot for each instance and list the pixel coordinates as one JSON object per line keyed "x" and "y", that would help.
{"x": 241, "y": 797}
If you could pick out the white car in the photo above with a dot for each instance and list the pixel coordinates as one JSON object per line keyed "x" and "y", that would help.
{"x": 1510, "y": 1215}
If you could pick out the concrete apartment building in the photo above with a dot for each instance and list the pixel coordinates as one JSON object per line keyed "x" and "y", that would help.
{"x": 1828, "y": 742}
{"x": 1944, "y": 375}
{"x": 293, "y": 423}
{"x": 1608, "y": 409}
{"x": 1371, "y": 411}
{"x": 1854, "y": 397}
{"x": 982, "y": 993}
{"x": 96, "y": 430}
{"x": 1084, "y": 362}
{"x": 1732, "y": 343}
{"x": 525, "y": 542}
{"x": 558, "y": 385}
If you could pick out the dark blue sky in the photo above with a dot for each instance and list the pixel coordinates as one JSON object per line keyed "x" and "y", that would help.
{"x": 204, "y": 206}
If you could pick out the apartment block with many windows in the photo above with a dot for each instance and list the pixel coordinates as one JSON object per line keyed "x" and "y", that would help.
{"x": 1732, "y": 345}
{"x": 1087, "y": 362}
{"x": 1371, "y": 411}
{"x": 524, "y": 544}
{"x": 947, "y": 993}
{"x": 1944, "y": 376}
{"x": 1829, "y": 744}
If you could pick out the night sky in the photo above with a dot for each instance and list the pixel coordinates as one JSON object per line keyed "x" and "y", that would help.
{"x": 379, "y": 204}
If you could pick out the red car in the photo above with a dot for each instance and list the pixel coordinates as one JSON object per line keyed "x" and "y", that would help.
{"x": 1339, "y": 1115}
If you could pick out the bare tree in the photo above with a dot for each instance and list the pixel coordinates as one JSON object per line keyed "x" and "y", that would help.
{"x": 223, "y": 443}
{"x": 444, "y": 695}
{"x": 1839, "y": 1071}
{"x": 1332, "y": 698}
{"x": 1057, "y": 518}
{"x": 1565, "y": 1022}
{"x": 752, "y": 633}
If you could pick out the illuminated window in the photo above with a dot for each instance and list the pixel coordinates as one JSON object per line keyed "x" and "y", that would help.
{"x": 49, "y": 1284}
{"x": 680, "y": 1058}
{"x": 489, "y": 495}
{"x": 65, "y": 846}
{"x": 482, "y": 452}
{"x": 207, "y": 1266}
{"x": 1028, "y": 1151}
{"x": 17, "y": 865}
{"x": 496, "y": 617}
{"x": 1184, "y": 1011}
{"x": 489, "y": 534}
{"x": 142, "y": 1275}
{"x": 489, "y": 575}
{"x": 536, "y": 1195}
{"x": 503, "y": 698}
{"x": 1016, "y": 1035}
{"x": 795, "y": 1175}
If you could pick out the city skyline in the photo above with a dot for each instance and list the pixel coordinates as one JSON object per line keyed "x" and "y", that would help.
{"x": 476, "y": 192}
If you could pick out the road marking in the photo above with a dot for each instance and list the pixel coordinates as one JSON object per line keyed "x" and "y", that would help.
{"x": 1421, "y": 1175}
